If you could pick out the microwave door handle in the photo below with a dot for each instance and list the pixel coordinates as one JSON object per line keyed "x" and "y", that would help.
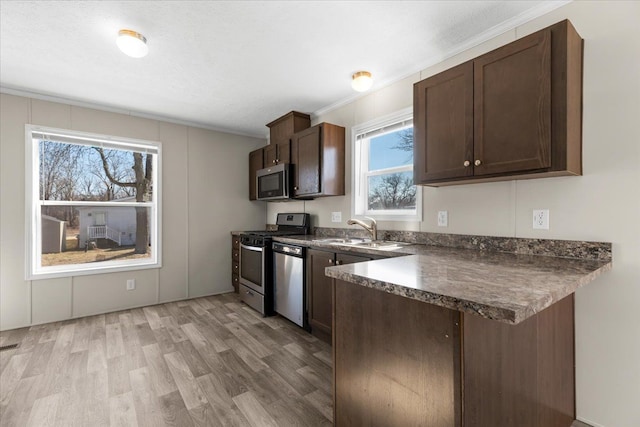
{"x": 252, "y": 248}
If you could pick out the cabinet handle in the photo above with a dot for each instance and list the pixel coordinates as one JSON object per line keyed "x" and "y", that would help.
{"x": 466, "y": 163}
{"x": 330, "y": 261}
{"x": 477, "y": 162}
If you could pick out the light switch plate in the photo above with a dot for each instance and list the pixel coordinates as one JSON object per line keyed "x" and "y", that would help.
{"x": 443, "y": 219}
{"x": 336, "y": 216}
{"x": 541, "y": 219}
{"x": 131, "y": 284}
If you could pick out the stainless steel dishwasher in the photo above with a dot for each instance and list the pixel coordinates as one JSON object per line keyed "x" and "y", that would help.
{"x": 289, "y": 284}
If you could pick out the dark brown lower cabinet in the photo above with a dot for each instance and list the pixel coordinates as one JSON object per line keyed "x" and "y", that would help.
{"x": 235, "y": 262}
{"x": 520, "y": 374}
{"x": 319, "y": 289}
{"x": 400, "y": 362}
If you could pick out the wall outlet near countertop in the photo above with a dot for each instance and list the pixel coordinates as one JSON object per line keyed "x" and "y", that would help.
{"x": 131, "y": 284}
{"x": 443, "y": 219}
{"x": 541, "y": 219}
{"x": 336, "y": 216}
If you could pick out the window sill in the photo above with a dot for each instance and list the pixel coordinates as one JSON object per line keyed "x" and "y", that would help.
{"x": 389, "y": 217}
{"x": 65, "y": 271}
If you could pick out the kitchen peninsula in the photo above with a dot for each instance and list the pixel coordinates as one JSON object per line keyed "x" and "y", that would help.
{"x": 450, "y": 337}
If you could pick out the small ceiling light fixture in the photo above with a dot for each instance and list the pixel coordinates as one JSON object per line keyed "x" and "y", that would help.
{"x": 132, "y": 43}
{"x": 361, "y": 81}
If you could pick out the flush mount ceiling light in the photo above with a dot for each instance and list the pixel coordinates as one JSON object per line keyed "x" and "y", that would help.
{"x": 361, "y": 81}
{"x": 132, "y": 43}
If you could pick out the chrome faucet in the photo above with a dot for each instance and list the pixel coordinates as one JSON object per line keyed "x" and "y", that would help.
{"x": 371, "y": 228}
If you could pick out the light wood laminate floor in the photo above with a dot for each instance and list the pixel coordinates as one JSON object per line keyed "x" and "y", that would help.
{"x": 203, "y": 362}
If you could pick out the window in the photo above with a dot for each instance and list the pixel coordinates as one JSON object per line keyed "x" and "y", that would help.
{"x": 93, "y": 203}
{"x": 383, "y": 169}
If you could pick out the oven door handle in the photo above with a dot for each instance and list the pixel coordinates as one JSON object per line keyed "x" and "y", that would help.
{"x": 252, "y": 248}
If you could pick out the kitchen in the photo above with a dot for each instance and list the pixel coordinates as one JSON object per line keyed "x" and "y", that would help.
{"x": 601, "y": 205}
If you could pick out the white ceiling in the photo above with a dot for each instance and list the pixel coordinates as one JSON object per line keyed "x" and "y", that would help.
{"x": 235, "y": 65}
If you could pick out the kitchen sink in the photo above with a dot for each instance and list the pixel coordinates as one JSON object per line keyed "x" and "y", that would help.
{"x": 343, "y": 241}
{"x": 381, "y": 244}
{"x": 363, "y": 243}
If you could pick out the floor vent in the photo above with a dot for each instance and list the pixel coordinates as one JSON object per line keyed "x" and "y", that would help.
{"x": 8, "y": 347}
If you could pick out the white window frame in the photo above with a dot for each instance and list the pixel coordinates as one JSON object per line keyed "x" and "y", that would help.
{"x": 33, "y": 217}
{"x": 360, "y": 159}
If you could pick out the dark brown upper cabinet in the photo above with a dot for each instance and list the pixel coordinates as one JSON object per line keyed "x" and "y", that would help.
{"x": 256, "y": 162}
{"x": 277, "y": 152}
{"x": 283, "y": 128}
{"x": 317, "y": 158}
{"x": 443, "y": 117}
{"x": 513, "y": 113}
{"x": 280, "y": 132}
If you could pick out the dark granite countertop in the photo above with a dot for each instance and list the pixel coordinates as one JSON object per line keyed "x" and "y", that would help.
{"x": 507, "y": 287}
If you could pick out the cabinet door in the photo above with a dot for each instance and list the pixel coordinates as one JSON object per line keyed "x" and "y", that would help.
{"x": 396, "y": 361}
{"x": 255, "y": 163}
{"x": 443, "y": 125}
{"x": 305, "y": 153}
{"x": 277, "y": 152}
{"x": 235, "y": 258}
{"x": 522, "y": 372}
{"x": 270, "y": 154}
{"x": 319, "y": 291}
{"x": 284, "y": 151}
{"x": 512, "y": 107}
{"x": 342, "y": 259}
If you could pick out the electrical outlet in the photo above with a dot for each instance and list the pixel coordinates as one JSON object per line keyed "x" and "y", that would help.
{"x": 336, "y": 216}
{"x": 541, "y": 219}
{"x": 131, "y": 284}
{"x": 443, "y": 219}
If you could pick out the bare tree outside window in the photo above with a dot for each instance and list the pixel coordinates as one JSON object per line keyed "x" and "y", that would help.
{"x": 74, "y": 172}
{"x": 143, "y": 184}
{"x": 392, "y": 191}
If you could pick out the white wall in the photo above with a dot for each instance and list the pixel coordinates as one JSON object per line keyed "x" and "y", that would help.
{"x": 204, "y": 197}
{"x": 601, "y": 205}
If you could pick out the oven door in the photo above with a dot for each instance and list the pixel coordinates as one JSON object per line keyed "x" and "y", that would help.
{"x": 252, "y": 267}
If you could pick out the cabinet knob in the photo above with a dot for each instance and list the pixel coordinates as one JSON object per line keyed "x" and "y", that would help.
{"x": 330, "y": 261}
{"x": 338, "y": 262}
{"x": 466, "y": 163}
{"x": 273, "y": 161}
{"x": 295, "y": 188}
{"x": 477, "y": 162}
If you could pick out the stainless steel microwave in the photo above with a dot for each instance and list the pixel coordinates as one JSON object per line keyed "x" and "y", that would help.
{"x": 273, "y": 182}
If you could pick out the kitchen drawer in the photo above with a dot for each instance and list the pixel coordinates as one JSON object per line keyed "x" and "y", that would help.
{"x": 252, "y": 298}
{"x": 235, "y": 280}
{"x": 235, "y": 255}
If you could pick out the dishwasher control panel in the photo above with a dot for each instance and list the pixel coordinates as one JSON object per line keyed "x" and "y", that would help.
{"x": 287, "y": 249}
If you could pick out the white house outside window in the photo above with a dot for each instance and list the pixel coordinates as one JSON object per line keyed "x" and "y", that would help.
{"x": 92, "y": 203}
{"x": 383, "y": 169}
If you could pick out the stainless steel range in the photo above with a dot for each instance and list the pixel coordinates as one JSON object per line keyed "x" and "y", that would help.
{"x": 256, "y": 260}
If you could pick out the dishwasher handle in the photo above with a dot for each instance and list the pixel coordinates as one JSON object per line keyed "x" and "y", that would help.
{"x": 297, "y": 251}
